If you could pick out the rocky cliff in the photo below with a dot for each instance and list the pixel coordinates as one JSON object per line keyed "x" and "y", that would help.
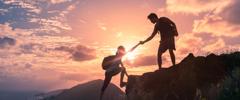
{"x": 214, "y": 77}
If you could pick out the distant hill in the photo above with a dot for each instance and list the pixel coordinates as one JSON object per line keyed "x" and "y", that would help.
{"x": 91, "y": 91}
{"x": 47, "y": 96}
{"x": 214, "y": 77}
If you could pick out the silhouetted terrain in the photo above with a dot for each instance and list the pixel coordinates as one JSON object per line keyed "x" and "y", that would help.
{"x": 47, "y": 96}
{"x": 91, "y": 91}
{"x": 215, "y": 77}
{"x": 16, "y": 95}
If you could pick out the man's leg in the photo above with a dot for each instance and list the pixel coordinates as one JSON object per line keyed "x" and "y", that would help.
{"x": 172, "y": 56}
{"x": 162, "y": 48}
{"x": 105, "y": 84}
{"x": 122, "y": 84}
{"x": 159, "y": 59}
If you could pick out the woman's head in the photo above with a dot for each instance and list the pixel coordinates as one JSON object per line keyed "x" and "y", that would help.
{"x": 120, "y": 51}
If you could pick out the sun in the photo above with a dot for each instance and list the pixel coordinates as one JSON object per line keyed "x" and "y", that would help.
{"x": 131, "y": 56}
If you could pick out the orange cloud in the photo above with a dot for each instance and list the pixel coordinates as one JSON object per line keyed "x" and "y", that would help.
{"x": 188, "y": 43}
{"x": 195, "y": 6}
{"x": 215, "y": 46}
{"x": 80, "y": 52}
{"x": 223, "y": 23}
{"x": 142, "y": 60}
{"x": 217, "y": 26}
{"x": 58, "y": 1}
{"x": 6, "y": 41}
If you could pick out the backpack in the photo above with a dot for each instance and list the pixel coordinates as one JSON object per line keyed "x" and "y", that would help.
{"x": 174, "y": 31}
{"x": 170, "y": 25}
{"x": 108, "y": 61}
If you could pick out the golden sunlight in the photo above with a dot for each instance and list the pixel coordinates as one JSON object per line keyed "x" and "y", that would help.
{"x": 130, "y": 57}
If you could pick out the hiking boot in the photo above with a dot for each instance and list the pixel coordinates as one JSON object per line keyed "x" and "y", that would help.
{"x": 122, "y": 84}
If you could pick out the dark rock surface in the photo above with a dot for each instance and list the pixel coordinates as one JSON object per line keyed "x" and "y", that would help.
{"x": 214, "y": 77}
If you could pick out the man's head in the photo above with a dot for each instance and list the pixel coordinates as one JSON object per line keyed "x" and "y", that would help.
{"x": 121, "y": 51}
{"x": 153, "y": 17}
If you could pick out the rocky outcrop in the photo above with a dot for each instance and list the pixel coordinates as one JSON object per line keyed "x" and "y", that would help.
{"x": 214, "y": 77}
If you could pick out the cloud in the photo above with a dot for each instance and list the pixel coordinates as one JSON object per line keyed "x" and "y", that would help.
{"x": 31, "y": 48}
{"x": 216, "y": 30}
{"x": 224, "y": 23}
{"x": 142, "y": 60}
{"x": 42, "y": 16}
{"x": 58, "y": 1}
{"x": 231, "y": 13}
{"x": 217, "y": 26}
{"x": 25, "y": 79}
{"x": 3, "y": 11}
{"x": 33, "y": 59}
{"x": 188, "y": 43}
{"x": 7, "y": 30}
{"x": 195, "y": 6}
{"x": 215, "y": 46}
{"x": 6, "y": 41}
{"x": 79, "y": 52}
{"x": 28, "y": 5}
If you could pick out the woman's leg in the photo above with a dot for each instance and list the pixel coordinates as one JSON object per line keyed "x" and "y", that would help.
{"x": 122, "y": 84}
{"x": 105, "y": 84}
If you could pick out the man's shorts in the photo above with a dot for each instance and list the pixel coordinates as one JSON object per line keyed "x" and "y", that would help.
{"x": 167, "y": 43}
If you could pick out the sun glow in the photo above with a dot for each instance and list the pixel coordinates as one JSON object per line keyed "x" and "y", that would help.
{"x": 130, "y": 57}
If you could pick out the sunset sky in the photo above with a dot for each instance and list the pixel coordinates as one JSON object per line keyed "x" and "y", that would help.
{"x": 54, "y": 44}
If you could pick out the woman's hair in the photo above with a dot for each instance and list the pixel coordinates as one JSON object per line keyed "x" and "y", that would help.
{"x": 121, "y": 50}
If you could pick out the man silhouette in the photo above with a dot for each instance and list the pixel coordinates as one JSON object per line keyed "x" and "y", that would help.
{"x": 168, "y": 30}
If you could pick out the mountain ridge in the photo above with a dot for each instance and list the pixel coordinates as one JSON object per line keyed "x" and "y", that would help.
{"x": 91, "y": 91}
{"x": 214, "y": 77}
{"x": 194, "y": 78}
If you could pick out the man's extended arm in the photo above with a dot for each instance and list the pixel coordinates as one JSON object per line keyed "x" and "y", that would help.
{"x": 150, "y": 37}
{"x": 133, "y": 48}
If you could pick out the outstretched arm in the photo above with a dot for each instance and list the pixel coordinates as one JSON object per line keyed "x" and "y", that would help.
{"x": 133, "y": 48}
{"x": 150, "y": 37}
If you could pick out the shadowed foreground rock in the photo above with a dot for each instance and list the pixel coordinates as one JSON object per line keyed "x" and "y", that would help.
{"x": 215, "y": 77}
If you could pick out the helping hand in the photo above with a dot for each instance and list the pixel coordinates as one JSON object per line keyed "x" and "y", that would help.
{"x": 142, "y": 42}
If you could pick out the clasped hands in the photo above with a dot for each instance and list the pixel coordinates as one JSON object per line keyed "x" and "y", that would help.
{"x": 141, "y": 42}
